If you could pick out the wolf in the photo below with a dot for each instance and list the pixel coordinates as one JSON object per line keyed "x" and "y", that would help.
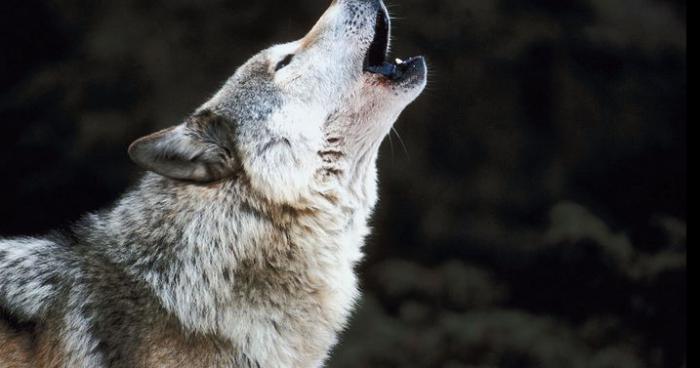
{"x": 237, "y": 248}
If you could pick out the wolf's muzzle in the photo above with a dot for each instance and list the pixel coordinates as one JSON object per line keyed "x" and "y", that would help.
{"x": 376, "y": 61}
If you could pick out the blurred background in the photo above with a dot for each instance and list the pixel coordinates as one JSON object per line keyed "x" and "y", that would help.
{"x": 533, "y": 212}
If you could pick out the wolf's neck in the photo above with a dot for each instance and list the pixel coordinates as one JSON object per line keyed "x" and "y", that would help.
{"x": 191, "y": 243}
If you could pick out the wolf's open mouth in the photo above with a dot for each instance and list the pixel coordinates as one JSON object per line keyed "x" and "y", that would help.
{"x": 377, "y": 55}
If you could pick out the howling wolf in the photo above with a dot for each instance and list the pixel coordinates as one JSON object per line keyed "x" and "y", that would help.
{"x": 238, "y": 246}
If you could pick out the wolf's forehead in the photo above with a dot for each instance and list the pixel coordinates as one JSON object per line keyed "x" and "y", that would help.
{"x": 250, "y": 95}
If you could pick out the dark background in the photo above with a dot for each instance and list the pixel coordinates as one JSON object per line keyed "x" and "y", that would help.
{"x": 535, "y": 218}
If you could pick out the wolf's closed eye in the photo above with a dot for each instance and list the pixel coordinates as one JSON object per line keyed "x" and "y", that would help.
{"x": 286, "y": 61}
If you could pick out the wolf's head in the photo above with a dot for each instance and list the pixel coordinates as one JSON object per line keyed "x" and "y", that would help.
{"x": 298, "y": 118}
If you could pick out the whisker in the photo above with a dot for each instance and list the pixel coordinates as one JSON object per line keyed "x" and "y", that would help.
{"x": 391, "y": 146}
{"x": 393, "y": 129}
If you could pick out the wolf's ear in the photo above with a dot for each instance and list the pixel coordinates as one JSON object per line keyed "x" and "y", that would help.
{"x": 199, "y": 151}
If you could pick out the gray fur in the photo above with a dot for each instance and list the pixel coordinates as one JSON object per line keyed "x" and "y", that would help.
{"x": 239, "y": 248}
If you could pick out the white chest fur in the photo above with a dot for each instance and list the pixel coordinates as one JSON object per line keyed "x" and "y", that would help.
{"x": 278, "y": 291}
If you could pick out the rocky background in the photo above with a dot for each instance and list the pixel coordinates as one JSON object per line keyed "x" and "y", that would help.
{"x": 534, "y": 207}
